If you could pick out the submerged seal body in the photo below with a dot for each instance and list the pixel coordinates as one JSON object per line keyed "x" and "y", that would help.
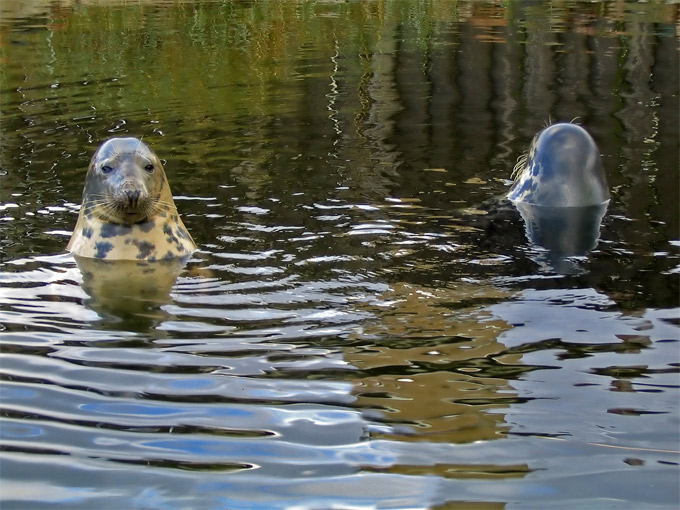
{"x": 128, "y": 212}
{"x": 563, "y": 168}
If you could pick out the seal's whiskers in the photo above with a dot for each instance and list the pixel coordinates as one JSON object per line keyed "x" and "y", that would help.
{"x": 519, "y": 166}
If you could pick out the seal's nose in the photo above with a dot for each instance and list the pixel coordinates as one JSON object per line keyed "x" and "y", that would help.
{"x": 133, "y": 197}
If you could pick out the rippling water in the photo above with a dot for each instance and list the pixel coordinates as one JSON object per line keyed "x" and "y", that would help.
{"x": 364, "y": 324}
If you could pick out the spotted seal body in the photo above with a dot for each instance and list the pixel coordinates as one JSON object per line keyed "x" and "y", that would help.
{"x": 562, "y": 169}
{"x": 128, "y": 212}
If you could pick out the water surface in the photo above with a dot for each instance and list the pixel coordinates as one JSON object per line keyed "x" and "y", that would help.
{"x": 364, "y": 324}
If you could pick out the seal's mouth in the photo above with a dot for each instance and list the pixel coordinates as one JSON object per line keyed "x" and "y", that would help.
{"x": 125, "y": 208}
{"x": 119, "y": 217}
{"x": 133, "y": 213}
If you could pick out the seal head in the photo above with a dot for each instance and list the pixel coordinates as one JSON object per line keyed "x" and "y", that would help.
{"x": 128, "y": 212}
{"x": 562, "y": 169}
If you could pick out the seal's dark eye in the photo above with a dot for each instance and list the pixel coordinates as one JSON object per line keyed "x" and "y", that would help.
{"x": 106, "y": 169}
{"x": 149, "y": 168}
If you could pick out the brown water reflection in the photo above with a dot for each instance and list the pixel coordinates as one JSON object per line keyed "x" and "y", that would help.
{"x": 421, "y": 372}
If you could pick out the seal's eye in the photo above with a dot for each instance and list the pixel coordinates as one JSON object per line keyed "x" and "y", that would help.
{"x": 149, "y": 168}
{"x": 106, "y": 169}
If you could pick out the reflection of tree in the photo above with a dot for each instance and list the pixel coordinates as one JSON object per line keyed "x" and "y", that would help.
{"x": 423, "y": 80}
{"x": 285, "y": 97}
{"x": 435, "y": 364}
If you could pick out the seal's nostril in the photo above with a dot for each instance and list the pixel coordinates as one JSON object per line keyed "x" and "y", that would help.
{"x": 133, "y": 196}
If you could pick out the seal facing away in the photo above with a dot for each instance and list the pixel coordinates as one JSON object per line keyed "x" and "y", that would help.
{"x": 561, "y": 193}
{"x": 128, "y": 212}
{"x": 562, "y": 169}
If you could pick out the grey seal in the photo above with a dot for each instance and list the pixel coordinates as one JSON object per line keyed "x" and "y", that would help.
{"x": 128, "y": 212}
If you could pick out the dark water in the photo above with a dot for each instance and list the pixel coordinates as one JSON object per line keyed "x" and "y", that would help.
{"x": 358, "y": 328}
